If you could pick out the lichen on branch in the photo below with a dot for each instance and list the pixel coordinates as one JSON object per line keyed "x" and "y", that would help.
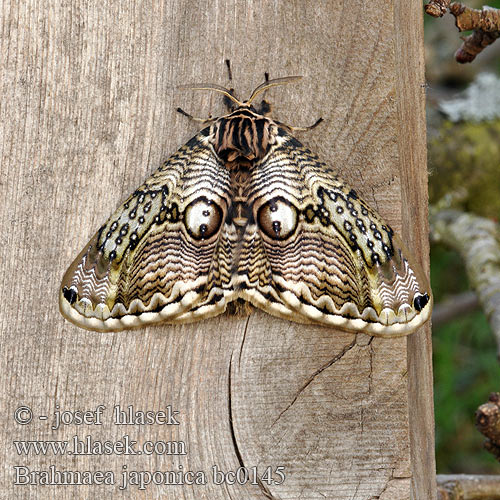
{"x": 485, "y": 19}
{"x": 437, "y": 8}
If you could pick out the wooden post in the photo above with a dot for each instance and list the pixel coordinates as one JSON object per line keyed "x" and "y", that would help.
{"x": 89, "y": 99}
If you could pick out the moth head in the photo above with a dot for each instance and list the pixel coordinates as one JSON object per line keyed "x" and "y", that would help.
{"x": 245, "y": 133}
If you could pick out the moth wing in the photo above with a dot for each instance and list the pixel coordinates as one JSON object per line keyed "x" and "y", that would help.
{"x": 325, "y": 253}
{"x": 219, "y": 289}
{"x": 156, "y": 256}
{"x": 250, "y": 277}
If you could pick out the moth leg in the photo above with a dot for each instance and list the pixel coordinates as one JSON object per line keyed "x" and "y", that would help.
{"x": 305, "y": 129}
{"x": 227, "y": 101}
{"x": 265, "y": 108}
{"x": 194, "y": 118}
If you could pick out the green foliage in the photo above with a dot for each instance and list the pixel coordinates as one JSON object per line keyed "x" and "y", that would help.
{"x": 465, "y": 157}
{"x": 466, "y": 370}
{"x": 493, "y": 3}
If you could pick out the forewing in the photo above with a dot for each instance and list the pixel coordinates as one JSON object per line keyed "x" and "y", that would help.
{"x": 326, "y": 254}
{"x": 157, "y": 255}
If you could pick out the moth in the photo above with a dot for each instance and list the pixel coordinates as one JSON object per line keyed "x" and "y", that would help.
{"x": 243, "y": 211}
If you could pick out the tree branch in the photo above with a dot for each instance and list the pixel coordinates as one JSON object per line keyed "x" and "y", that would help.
{"x": 468, "y": 487}
{"x": 437, "y": 8}
{"x": 487, "y": 19}
{"x": 485, "y": 24}
{"x": 454, "y": 306}
{"x": 488, "y": 423}
{"x": 477, "y": 240}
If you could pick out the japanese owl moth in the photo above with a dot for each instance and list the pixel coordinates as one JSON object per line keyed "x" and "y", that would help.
{"x": 245, "y": 211}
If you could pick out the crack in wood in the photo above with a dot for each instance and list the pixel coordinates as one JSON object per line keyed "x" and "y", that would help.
{"x": 316, "y": 373}
{"x": 265, "y": 491}
{"x": 370, "y": 373}
{"x": 230, "y": 408}
{"x": 356, "y": 490}
{"x": 243, "y": 340}
{"x": 263, "y": 488}
{"x": 391, "y": 480}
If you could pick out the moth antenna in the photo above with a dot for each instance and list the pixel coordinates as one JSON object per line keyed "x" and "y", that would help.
{"x": 272, "y": 83}
{"x": 212, "y": 86}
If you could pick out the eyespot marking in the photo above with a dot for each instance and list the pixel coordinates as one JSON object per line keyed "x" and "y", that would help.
{"x": 202, "y": 218}
{"x": 277, "y": 218}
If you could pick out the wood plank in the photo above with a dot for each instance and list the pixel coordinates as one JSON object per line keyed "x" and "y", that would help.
{"x": 88, "y": 110}
{"x": 411, "y": 85}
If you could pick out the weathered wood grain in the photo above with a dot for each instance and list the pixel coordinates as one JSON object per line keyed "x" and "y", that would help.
{"x": 88, "y": 110}
{"x": 410, "y": 72}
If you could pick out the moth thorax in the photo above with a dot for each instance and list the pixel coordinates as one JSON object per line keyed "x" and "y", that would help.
{"x": 245, "y": 135}
{"x": 240, "y": 177}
